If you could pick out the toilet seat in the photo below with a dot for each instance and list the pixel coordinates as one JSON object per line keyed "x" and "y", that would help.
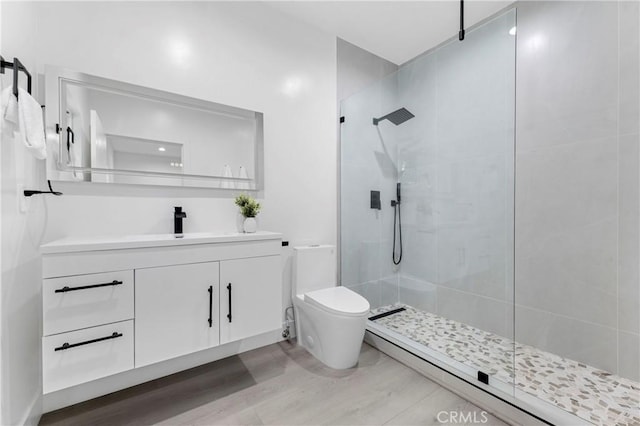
{"x": 338, "y": 300}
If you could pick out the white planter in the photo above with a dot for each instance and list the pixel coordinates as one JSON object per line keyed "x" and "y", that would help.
{"x": 250, "y": 225}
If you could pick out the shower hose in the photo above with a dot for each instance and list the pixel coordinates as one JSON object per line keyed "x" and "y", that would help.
{"x": 397, "y": 217}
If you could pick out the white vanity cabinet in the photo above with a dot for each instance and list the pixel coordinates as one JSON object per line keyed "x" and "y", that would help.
{"x": 176, "y": 311}
{"x": 113, "y": 305}
{"x": 249, "y": 288}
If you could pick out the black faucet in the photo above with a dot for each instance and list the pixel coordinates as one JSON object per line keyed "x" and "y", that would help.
{"x": 178, "y": 215}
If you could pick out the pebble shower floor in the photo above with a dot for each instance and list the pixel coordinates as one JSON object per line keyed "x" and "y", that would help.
{"x": 594, "y": 395}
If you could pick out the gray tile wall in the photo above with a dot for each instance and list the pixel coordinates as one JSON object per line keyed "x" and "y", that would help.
{"x": 577, "y": 286}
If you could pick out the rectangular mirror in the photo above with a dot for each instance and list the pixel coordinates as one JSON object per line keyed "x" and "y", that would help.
{"x": 108, "y": 131}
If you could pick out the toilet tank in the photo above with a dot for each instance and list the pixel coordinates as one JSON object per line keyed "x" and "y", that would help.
{"x": 314, "y": 268}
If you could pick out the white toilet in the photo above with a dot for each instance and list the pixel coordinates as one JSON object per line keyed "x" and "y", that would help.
{"x": 330, "y": 319}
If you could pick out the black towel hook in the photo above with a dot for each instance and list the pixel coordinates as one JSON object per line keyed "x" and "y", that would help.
{"x": 16, "y": 66}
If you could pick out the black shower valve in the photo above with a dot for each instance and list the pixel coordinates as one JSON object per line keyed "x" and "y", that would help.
{"x": 375, "y": 200}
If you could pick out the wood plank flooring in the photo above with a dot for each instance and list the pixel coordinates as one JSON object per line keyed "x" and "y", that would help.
{"x": 280, "y": 384}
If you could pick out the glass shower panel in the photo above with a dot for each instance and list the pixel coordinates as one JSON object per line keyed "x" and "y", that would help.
{"x": 460, "y": 165}
{"x": 454, "y": 162}
{"x": 368, "y": 163}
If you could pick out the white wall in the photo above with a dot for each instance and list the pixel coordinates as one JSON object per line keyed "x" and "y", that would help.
{"x": 21, "y": 236}
{"x": 226, "y": 53}
{"x": 242, "y": 54}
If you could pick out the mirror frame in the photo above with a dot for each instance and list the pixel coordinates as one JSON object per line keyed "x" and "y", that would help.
{"x": 55, "y": 103}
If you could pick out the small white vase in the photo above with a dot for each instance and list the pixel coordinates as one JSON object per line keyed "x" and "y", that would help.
{"x": 240, "y": 223}
{"x": 250, "y": 225}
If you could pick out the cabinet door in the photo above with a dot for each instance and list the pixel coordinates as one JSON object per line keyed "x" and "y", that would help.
{"x": 250, "y": 297}
{"x": 176, "y": 311}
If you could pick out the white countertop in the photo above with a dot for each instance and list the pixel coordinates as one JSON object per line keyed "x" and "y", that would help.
{"x": 68, "y": 245}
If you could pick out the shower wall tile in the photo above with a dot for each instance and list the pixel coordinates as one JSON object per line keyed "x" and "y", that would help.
{"x": 629, "y": 16}
{"x": 572, "y": 273}
{"x": 577, "y": 215}
{"x": 486, "y": 56}
{"x": 472, "y": 260}
{"x": 389, "y": 292}
{"x": 370, "y": 291}
{"x": 564, "y": 187}
{"x": 420, "y": 258}
{"x": 358, "y": 68}
{"x": 485, "y": 313}
{"x": 567, "y": 84}
{"x": 360, "y": 234}
{"x": 417, "y": 84}
{"x": 581, "y": 341}
{"x": 629, "y": 355}
{"x": 418, "y": 293}
{"x": 629, "y": 234}
{"x": 364, "y": 168}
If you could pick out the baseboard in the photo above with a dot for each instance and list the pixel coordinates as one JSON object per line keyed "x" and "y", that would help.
{"x": 86, "y": 391}
{"x": 502, "y": 405}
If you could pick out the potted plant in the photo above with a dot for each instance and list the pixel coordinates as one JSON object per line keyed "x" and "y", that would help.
{"x": 249, "y": 208}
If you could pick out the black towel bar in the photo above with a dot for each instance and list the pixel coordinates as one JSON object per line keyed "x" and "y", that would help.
{"x": 30, "y": 192}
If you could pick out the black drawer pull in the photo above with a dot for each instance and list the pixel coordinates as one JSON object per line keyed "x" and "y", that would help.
{"x": 210, "y": 305}
{"x": 84, "y": 287}
{"x": 65, "y": 346}
{"x": 229, "y": 314}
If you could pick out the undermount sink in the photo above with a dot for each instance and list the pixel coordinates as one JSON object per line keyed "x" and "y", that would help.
{"x": 151, "y": 240}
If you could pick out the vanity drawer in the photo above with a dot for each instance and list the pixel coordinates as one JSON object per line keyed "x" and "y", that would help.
{"x": 69, "y": 359}
{"x": 81, "y": 301}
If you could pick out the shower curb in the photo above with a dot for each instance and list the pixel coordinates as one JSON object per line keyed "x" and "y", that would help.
{"x": 505, "y": 407}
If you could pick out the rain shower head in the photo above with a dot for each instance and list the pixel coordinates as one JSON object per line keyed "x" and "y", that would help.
{"x": 397, "y": 117}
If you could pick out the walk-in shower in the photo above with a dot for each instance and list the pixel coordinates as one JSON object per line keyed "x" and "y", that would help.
{"x": 510, "y": 267}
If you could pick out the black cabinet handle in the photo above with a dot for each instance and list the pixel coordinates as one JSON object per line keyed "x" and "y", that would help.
{"x": 65, "y": 346}
{"x": 229, "y": 314}
{"x": 210, "y": 305}
{"x": 84, "y": 287}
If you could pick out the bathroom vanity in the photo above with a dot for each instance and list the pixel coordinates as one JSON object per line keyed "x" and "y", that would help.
{"x": 116, "y": 305}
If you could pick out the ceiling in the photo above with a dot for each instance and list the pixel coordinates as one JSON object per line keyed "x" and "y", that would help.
{"x": 395, "y": 30}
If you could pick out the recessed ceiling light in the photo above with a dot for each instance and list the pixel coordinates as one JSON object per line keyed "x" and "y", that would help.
{"x": 512, "y": 31}
{"x": 162, "y": 149}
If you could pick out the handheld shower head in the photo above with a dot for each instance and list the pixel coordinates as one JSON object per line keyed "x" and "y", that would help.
{"x": 397, "y": 117}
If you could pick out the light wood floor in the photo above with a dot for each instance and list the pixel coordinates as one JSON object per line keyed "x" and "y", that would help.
{"x": 278, "y": 384}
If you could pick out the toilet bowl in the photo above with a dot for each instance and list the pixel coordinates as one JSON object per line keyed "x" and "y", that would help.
{"x": 330, "y": 319}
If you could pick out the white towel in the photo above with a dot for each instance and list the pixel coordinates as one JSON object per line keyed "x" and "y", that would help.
{"x": 9, "y": 106}
{"x": 242, "y": 174}
{"x": 227, "y": 184}
{"x": 25, "y": 114}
